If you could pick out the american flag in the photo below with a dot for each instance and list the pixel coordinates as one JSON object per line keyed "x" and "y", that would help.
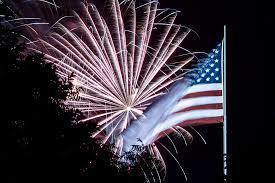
{"x": 202, "y": 103}
{"x": 197, "y": 99}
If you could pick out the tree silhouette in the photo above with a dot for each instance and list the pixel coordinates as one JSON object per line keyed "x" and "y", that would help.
{"x": 36, "y": 125}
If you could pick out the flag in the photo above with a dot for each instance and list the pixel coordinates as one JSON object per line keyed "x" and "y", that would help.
{"x": 197, "y": 99}
{"x": 202, "y": 102}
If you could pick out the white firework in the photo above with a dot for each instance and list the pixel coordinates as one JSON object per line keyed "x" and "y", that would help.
{"x": 122, "y": 59}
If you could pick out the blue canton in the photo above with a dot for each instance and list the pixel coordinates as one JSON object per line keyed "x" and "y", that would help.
{"x": 211, "y": 70}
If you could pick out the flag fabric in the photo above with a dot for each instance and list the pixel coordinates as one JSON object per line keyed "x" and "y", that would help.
{"x": 202, "y": 103}
{"x": 197, "y": 99}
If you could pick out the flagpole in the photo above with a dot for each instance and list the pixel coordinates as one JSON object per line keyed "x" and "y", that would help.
{"x": 224, "y": 107}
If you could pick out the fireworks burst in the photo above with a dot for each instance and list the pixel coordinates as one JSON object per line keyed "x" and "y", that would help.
{"x": 122, "y": 59}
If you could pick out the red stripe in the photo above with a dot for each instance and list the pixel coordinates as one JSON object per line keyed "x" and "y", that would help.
{"x": 202, "y": 121}
{"x": 201, "y": 107}
{"x": 203, "y": 94}
{"x": 194, "y": 122}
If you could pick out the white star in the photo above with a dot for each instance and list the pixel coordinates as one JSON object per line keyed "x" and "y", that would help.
{"x": 217, "y": 78}
{"x": 203, "y": 74}
{"x": 216, "y": 51}
{"x": 207, "y": 79}
{"x": 217, "y": 69}
{"x": 212, "y": 56}
{"x": 199, "y": 80}
{"x": 212, "y": 65}
{"x": 212, "y": 74}
{"x": 207, "y": 70}
{"x": 216, "y": 60}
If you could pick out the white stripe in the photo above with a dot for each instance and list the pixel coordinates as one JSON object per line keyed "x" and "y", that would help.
{"x": 204, "y": 87}
{"x": 177, "y": 118}
{"x": 189, "y": 102}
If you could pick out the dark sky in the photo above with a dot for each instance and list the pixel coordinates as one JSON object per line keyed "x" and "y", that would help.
{"x": 206, "y": 17}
